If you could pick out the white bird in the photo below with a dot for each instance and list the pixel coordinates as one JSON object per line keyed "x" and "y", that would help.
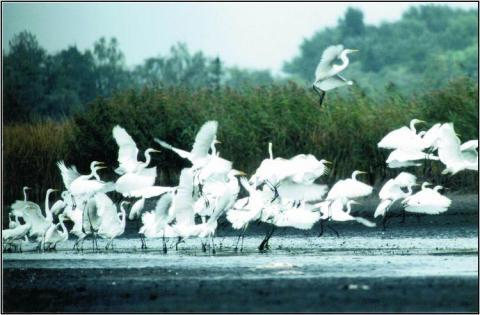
{"x": 112, "y": 223}
{"x": 408, "y": 157}
{"x": 403, "y": 138}
{"x": 53, "y": 236}
{"x": 128, "y": 153}
{"x": 349, "y": 188}
{"x": 454, "y": 155}
{"x": 13, "y": 237}
{"x": 82, "y": 187}
{"x": 32, "y": 214}
{"x": 204, "y": 141}
{"x": 333, "y": 211}
{"x": 427, "y": 200}
{"x": 13, "y": 222}
{"x": 392, "y": 191}
{"x": 327, "y": 74}
{"x": 156, "y": 222}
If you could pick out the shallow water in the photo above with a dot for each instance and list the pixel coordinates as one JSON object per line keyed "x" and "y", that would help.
{"x": 290, "y": 256}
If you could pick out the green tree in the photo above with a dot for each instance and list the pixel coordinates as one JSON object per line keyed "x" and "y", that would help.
{"x": 24, "y": 77}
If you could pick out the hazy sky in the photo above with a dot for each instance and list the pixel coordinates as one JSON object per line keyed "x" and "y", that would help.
{"x": 253, "y": 35}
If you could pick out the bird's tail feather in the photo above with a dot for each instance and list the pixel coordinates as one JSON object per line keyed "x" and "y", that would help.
{"x": 382, "y": 208}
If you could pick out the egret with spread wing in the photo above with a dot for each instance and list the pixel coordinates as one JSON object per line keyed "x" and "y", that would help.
{"x": 327, "y": 74}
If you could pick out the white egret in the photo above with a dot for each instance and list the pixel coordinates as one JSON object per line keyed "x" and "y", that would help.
{"x": 32, "y": 214}
{"x": 13, "y": 237}
{"x": 204, "y": 141}
{"x": 403, "y": 138}
{"x": 454, "y": 155}
{"x": 427, "y": 200}
{"x": 349, "y": 188}
{"x": 407, "y": 157}
{"x": 112, "y": 223}
{"x": 82, "y": 187}
{"x": 156, "y": 222}
{"x": 53, "y": 236}
{"x": 128, "y": 153}
{"x": 327, "y": 74}
{"x": 333, "y": 211}
{"x": 392, "y": 191}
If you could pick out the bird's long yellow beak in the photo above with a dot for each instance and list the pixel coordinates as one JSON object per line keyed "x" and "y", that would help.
{"x": 154, "y": 150}
{"x": 328, "y": 162}
{"x": 354, "y": 50}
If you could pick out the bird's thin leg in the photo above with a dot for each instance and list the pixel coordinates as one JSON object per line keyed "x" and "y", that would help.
{"x": 404, "y": 213}
{"x": 178, "y": 242}
{"x": 322, "y": 227}
{"x": 267, "y": 246}
{"x": 236, "y": 245}
{"x": 243, "y": 236}
{"x": 320, "y": 93}
{"x": 384, "y": 221}
{"x": 164, "y": 244}
{"x": 213, "y": 244}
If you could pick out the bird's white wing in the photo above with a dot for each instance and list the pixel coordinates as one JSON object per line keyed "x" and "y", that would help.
{"x": 162, "y": 206}
{"x": 431, "y": 136}
{"x": 204, "y": 139}
{"x": 136, "y": 209}
{"x": 469, "y": 145}
{"x": 401, "y": 155}
{"x": 332, "y": 83}
{"x": 105, "y": 206}
{"x": 183, "y": 199}
{"x": 152, "y": 191}
{"x": 405, "y": 179}
{"x": 469, "y": 151}
{"x": 449, "y": 148}
{"x": 57, "y": 206}
{"x": 128, "y": 151}
{"x": 402, "y": 138}
{"x": 182, "y": 153}
{"x": 299, "y": 218}
{"x": 328, "y": 56}
{"x": 294, "y": 191}
{"x": 382, "y": 207}
{"x": 133, "y": 182}
{"x": 69, "y": 174}
{"x": 350, "y": 189}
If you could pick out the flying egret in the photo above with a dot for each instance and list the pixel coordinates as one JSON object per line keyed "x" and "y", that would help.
{"x": 82, "y": 187}
{"x": 408, "y": 157}
{"x": 204, "y": 141}
{"x": 392, "y": 191}
{"x": 128, "y": 152}
{"x": 454, "y": 155}
{"x": 327, "y": 74}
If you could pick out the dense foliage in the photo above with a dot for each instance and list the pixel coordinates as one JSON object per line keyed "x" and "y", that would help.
{"x": 345, "y": 130}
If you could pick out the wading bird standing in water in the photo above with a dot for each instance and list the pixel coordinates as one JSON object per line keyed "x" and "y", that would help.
{"x": 327, "y": 74}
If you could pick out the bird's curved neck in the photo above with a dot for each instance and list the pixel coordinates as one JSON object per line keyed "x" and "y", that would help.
{"x": 349, "y": 207}
{"x": 64, "y": 228}
{"x": 424, "y": 185}
{"x": 409, "y": 190}
{"x": 345, "y": 62}
{"x": 412, "y": 126}
{"x": 95, "y": 174}
{"x": 270, "y": 152}
{"x": 212, "y": 147}
{"x": 148, "y": 158}
{"x": 24, "y": 194}
{"x": 48, "y": 213}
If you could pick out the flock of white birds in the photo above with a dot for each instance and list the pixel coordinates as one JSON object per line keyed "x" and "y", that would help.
{"x": 282, "y": 192}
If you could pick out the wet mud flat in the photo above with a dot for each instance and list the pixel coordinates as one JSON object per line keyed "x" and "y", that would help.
{"x": 427, "y": 264}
